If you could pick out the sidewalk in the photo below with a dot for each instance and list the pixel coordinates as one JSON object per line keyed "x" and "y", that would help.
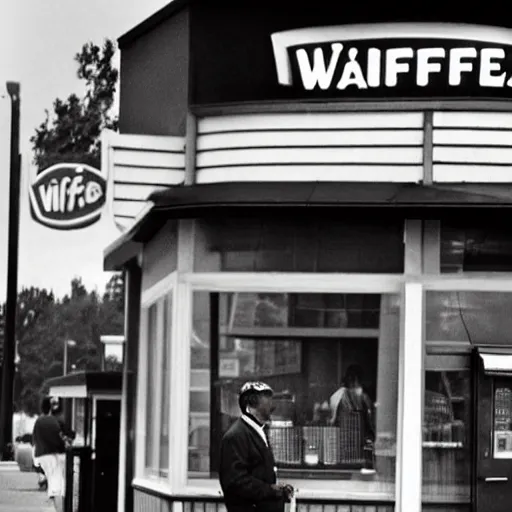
{"x": 19, "y": 493}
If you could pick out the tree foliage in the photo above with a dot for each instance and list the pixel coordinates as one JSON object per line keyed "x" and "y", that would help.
{"x": 72, "y": 133}
{"x": 44, "y": 324}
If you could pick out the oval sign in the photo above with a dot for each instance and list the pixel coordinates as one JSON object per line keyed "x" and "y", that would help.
{"x": 68, "y": 196}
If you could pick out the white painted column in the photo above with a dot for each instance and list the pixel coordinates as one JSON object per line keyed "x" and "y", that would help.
{"x": 180, "y": 358}
{"x": 410, "y": 419}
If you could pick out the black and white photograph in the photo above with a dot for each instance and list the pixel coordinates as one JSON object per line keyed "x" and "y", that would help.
{"x": 255, "y": 256}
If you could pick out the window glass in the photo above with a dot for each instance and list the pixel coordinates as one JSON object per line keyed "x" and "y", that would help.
{"x": 476, "y": 247}
{"x": 304, "y": 346}
{"x": 477, "y": 318}
{"x": 166, "y": 381}
{"x": 151, "y": 463}
{"x": 502, "y": 421}
{"x": 157, "y": 392}
{"x": 79, "y": 421}
{"x": 447, "y": 416}
{"x": 299, "y": 245}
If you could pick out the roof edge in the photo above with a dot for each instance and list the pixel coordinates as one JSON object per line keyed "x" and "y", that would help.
{"x": 149, "y": 23}
{"x": 196, "y": 200}
{"x": 123, "y": 245}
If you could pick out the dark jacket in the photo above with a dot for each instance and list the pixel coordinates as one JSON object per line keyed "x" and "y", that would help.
{"x": 46, "y": 436}
{"x": 247, "y": 471}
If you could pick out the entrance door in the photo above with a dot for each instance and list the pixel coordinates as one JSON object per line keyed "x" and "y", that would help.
{"x": 106, "y": 464}
{"x": 494, "y": 427}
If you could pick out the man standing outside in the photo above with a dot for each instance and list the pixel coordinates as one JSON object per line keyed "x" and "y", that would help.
{"x": 50, "y": 453}
{"x": 247, "y": 470}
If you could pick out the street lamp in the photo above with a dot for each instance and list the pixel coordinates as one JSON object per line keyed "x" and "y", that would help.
{"x": 67, "y": 343}
{"x": 8, "y": 368}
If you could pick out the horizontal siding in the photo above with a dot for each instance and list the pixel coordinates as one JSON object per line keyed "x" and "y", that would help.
{"x": 376, "y": 146}
{"x": 472, "y": 147}
{"x": 308, "y": 156}
{"x": 317, "y": 120}
{"x": 402, "y": 173}
{"x": 149, "y": 159}
{"x": 128, "y": 209}
{"x": 473, "y": 119}
{"x": 472, "y": 137}
{"x": 156, "y": 177}
{"x": 141, "y": 165}
{"x": 130, "y": 192}
{"x": 308, "y": 138}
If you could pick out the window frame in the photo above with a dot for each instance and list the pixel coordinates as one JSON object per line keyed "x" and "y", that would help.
{"x": 156, "y": 295}
{"x": 270, "y": 282}
{"x": 421, "y": 274}
{"x": 465, "y": 281}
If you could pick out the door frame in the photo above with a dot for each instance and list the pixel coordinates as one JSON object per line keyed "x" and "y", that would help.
{"x": 95, "y": 399}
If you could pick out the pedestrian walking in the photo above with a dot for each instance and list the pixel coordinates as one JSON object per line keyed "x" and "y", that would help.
{"x": 247, "y": 471}
{"x": 49, "y": 449}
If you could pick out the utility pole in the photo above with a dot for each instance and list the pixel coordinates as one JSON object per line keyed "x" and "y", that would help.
{"x": 6, "y": 392}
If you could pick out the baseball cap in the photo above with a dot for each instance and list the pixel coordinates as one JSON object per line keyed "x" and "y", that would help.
{"x": 255, "y": 387}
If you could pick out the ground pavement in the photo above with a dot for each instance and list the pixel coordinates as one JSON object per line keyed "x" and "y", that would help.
{"x": 19, "y": 492}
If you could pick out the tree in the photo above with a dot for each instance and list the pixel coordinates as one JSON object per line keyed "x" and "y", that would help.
{"x": 44, "y": 324}
{"x": 35, "y": 325}
{"x": 72, "y": 133}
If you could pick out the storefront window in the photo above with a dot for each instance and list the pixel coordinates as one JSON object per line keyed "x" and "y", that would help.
{"x": 476, "y": 247}
{"x": 299, "y": 245}
{"x": 157, "y": 391}
{"x": 306, "y": 346}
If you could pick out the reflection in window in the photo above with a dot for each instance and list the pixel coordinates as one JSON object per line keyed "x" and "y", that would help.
{"x": 486, "y": 248}
{"x": 502, "y": 422}
{"x": 165, "y": 382}
{"x": 481, "y": 318}
{"x": 78, "y": 423}
{"x": 446, "y": 433}
{"x": 151, "y": 405}
{"x": 157, "y": 390}
{"x": 299, "y": 245}
{"x": 314, "y": 350}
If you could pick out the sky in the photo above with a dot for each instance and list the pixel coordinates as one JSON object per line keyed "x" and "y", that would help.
{"x": 38, "y": 41}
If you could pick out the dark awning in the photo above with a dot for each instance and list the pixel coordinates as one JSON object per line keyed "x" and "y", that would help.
{"x": 286, "y": 194}
{"x": 81, "y": 384}
{"x": 225, "y": 198}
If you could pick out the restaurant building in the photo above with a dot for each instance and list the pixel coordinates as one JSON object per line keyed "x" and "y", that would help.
{"x": 305, "y": 188}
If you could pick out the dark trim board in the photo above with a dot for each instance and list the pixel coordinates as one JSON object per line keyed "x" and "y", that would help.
{"x": 399, "y": 105}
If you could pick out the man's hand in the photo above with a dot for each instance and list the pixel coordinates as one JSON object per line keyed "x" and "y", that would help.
{"x": 284, "y": 490}
{"x": 288, "y": 491}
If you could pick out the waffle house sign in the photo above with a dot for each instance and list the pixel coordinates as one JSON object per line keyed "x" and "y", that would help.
{"x": 397, "y": 60}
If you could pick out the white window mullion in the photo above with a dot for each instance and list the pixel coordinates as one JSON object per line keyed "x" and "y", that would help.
{"x": 410, "y": 407}
{"x": 169, "y": 384}
{"x": 180, "y": 361}
{"x": 180, "y": 366}
{"x": 294, "y": 282}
